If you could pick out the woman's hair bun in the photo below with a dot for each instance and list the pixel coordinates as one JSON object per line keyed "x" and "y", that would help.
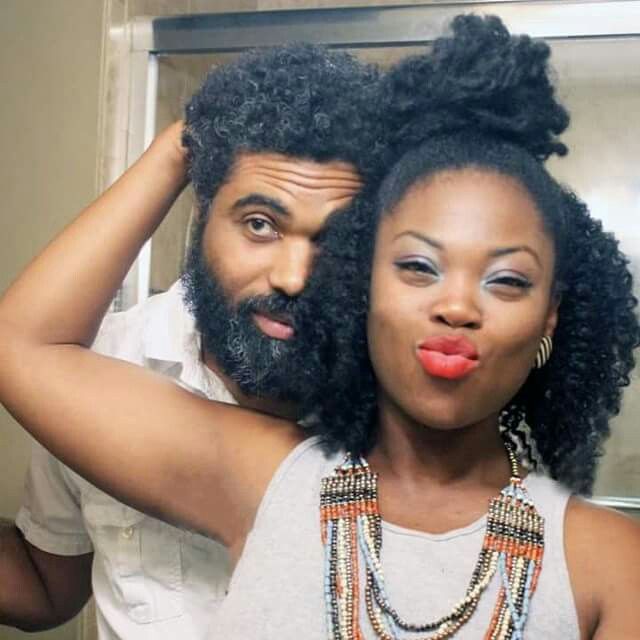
{"x": 479, "y": 78}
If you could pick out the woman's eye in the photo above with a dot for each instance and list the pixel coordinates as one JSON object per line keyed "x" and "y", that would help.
{"x": 517, "y": 282}
{"x": 261, "y": 228}
{"x": 416, "y": 266}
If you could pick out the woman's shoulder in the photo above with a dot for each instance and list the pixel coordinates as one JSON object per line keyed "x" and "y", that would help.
{"x": 611, "y": 531}
{"x": 604, "y": 533}
{"x": 602, "y": 547}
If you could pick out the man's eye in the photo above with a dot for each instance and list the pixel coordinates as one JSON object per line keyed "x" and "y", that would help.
{"x": 261, "y": 228}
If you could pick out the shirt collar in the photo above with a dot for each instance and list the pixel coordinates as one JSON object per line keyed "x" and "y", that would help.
{"x": 170, "y": 333}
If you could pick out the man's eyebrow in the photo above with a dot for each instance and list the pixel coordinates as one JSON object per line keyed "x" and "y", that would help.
{"x": 505, "y": 251}
{"x": 258, "y": 199}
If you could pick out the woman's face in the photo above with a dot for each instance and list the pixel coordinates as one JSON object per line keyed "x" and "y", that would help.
{"x": 460, "y": 297}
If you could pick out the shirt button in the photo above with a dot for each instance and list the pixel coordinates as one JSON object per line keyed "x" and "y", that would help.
{"x": 127, "y": 533}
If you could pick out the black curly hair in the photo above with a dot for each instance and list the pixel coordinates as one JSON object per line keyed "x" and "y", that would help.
{"x": 300, "y": 100}
{"x": 483, "y": 99}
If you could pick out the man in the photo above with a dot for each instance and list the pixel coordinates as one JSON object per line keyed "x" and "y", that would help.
{"x": 278, "y": 142}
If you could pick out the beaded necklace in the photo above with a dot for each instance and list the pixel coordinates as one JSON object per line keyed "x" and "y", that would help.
{"x": 351, "y": 528}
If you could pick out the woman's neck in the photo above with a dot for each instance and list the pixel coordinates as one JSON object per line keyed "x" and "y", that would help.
{"x": 415, "y": 452}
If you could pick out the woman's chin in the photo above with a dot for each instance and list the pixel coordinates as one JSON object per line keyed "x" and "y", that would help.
{"x": 447, "y": 420}
{"x": 450, "y": 417}
{"x": 437, "y": 411}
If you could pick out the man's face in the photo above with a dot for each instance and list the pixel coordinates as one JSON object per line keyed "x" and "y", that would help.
{"x": 253, "y": 262}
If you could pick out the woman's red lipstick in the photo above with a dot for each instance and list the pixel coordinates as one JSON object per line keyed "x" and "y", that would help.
{"x": 450, "y": 357}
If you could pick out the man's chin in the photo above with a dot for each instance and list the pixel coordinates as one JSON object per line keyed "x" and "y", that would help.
{"x": 263, "y": 367}
{"x": 268, "y": 388}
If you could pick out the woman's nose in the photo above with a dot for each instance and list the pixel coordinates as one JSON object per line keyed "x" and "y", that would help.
{"x": 457, "y": 305}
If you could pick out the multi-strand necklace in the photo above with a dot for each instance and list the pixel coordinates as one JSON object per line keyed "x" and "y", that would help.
{"x": 352, "y": 529}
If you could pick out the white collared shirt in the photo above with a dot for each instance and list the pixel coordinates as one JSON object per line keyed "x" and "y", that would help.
{"x": 150, "y": 579}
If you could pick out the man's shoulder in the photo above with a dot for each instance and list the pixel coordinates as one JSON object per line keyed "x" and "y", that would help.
{"x": 157, "y": 321}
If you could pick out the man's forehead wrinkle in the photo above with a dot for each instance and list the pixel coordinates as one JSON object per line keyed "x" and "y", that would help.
{"x": 340, "y": 198}
{"x": 293, "y": 189}
{"x": 306, "y": 169}
{"x": 322, "y": 181}
{"x": 297, "y": 169}
{"x": 301, "y": 176}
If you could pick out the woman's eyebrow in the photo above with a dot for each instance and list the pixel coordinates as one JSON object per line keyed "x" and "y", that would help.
{"x": 423, "y": 238}
{"x": 504, "y": 251}
{"x": 257, "y": 198}
{"x": 495, "y": 253}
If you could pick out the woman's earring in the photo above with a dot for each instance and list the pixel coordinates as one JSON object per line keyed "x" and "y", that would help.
{"x": 544, "y": 352}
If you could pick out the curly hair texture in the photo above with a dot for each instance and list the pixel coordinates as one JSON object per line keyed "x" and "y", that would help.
{"x": 569, "y": 402}
{"x": 483, "y": 99}
{"x": 299, "y": 100}
{"x": 481, "y": 78}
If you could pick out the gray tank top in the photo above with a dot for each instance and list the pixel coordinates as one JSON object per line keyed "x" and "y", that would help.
{"x": 276, "y": 591}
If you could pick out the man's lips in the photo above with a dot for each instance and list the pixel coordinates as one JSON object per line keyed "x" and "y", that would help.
{"x": 450, "y": 357}
{"x": 273, "y": 327}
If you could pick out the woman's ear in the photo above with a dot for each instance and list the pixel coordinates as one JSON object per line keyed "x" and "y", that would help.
{"x": 552, "y": 316}
{"x": 196, "y": 213}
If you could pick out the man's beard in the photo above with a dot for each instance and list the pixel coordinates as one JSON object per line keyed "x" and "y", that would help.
{"x": 261, "y": 366}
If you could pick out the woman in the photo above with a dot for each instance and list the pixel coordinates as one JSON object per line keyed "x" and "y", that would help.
{"x": 480, "y": 258}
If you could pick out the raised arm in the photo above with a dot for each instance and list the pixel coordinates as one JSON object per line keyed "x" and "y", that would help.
{"x": 84, "y": 266}
{"x": 132, "y": 432}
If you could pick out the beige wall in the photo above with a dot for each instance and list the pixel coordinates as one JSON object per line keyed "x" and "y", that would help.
{"x": 50, "y": 52}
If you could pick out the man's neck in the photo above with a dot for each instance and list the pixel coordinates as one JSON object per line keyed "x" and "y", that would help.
{"x": 278, "y": 408}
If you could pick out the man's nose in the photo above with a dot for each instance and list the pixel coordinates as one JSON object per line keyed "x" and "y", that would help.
{"x": 292, "y": 266}
{"x": 457, "y": 304}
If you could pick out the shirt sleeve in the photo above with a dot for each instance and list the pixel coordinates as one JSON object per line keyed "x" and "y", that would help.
{"x": 51, "y": 517}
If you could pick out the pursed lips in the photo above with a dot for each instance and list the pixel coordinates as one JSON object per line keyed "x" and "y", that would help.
{"x": 448, "y": 356}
